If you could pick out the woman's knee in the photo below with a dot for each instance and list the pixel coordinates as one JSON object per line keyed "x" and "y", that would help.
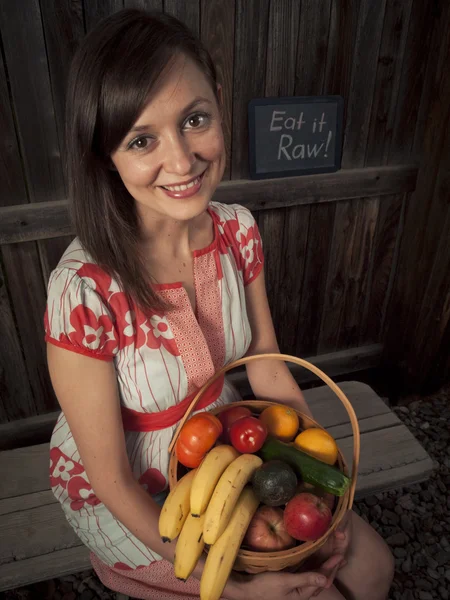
{"x": 371, "y": 565}
{"x": 381, "y": 573}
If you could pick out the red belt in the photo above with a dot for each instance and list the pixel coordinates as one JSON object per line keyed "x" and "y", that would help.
{"x": 139, "y": 421}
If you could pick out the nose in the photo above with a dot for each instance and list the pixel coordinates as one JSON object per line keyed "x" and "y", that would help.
{"x": 179, "y": 155}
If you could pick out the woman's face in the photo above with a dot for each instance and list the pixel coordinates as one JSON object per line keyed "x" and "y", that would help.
{"x": 173, "y": 158}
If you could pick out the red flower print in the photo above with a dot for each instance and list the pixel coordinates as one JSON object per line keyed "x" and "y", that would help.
{"x": 125, "y": 319}
{"x": 159, "y": 334}
{"x": 242, "y": 236}
{"x": 81, "y": 493}
{"x": 62, "y": 468}
{"x": 131, "y": 323}
{"x": 252, "y": 255}
{"x": 153, "y": 481}
{"x": 97, "y": 279}
{"x": 247, "y": 251}
{"x": 227, "y": 241}
{"x": 92, "y": 332}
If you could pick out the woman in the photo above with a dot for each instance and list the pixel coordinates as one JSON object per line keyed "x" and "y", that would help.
{"x": 161, "y": 288}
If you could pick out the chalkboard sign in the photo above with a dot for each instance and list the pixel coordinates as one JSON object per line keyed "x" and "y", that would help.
{"x": 295, "y": 136}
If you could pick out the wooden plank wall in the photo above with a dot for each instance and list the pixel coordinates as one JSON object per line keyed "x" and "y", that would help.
{"x": 330, "y": 265}
{"x": 418, "y": 321}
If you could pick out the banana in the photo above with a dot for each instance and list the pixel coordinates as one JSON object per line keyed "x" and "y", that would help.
{"x": 189, "y": 547}
{"x": 222, "y": 554}
{"x": 226, "y": 494}
{"x": 176, "y": 508}
{"x": 208, "y": 474}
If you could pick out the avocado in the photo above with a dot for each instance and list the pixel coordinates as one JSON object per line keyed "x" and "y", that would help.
{"x": 274, "y": 483}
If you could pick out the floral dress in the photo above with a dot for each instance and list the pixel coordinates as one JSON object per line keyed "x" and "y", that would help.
{"x": 161, "y": 359}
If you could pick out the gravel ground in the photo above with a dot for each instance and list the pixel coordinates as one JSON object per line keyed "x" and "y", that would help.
{"x": 415, "y": 521}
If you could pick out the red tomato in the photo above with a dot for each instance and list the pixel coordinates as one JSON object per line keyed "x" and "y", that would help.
{"x": 186, "y": 457}
{"x": 230, "y": 416}
{"x": 248, "y": 435}
{"x": 198, "y": 435}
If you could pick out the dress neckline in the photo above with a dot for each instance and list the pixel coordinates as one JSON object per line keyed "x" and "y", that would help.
{"x": 195, "y": 253}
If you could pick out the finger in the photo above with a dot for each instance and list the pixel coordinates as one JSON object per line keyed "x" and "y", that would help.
{"x": 332, "y": 576}
{"x": 330, "y": 568}
{"x": 342, "y": 564}
{"x": 330, "y": 564}
{"x": 304, "y": 580}
{"x": 340, "y": 535}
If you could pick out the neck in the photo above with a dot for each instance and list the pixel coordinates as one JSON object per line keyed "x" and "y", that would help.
{"x": 165, "y": 236}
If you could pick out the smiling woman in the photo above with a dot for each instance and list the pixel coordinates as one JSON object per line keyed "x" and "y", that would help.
{"x": 162, "y": 287}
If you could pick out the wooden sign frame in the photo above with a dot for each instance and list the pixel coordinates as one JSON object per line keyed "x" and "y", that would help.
{"x": 256, "y": 102}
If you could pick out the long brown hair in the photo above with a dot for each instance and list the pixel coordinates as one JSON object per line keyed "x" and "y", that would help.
{"x": 112, "y": 75}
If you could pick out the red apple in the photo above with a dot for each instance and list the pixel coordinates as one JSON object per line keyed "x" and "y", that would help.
{"x": 328, "y": 498}
{"x": 307, "y": 517}
{"x": 267, "y": 531}
{"x": 230, "y": 416}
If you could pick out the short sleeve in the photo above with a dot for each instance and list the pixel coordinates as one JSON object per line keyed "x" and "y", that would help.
{"x": 76, "y": 317}
{"x": 249, "y": 244}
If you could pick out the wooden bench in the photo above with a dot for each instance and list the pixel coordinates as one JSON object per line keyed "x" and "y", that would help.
{"x": 36, "y": 542}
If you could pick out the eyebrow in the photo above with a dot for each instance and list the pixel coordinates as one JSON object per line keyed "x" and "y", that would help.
{"x": 185, "y": 110}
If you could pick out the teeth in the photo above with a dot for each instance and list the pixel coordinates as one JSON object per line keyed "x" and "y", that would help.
{"x": 181, "y": 188}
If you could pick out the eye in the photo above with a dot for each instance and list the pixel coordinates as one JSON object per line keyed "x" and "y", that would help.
{"x": 197, "y": 120}
{"x": 141, "y": 143}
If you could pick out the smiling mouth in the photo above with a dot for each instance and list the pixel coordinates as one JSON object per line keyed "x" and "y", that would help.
{"x": 183, "y": 187}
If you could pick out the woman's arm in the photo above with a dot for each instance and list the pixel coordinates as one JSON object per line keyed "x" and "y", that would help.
{"x": 86, "y": 389}
{"x": 269, "y": 379}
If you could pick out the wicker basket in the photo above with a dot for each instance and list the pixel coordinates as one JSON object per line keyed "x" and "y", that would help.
{"x": 257, "y": 562}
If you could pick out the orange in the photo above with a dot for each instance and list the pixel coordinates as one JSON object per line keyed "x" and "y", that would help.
{"x": 281, "y": 422}
{"x": 318, "y": 443}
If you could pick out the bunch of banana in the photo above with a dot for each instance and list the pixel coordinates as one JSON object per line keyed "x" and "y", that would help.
{"x": 223, "y": 552}
{"x": 226, "y": 494}
{"x": 208, "y": 474}
{"x": 203, "y": 505}
{"x": 176, "y": 508}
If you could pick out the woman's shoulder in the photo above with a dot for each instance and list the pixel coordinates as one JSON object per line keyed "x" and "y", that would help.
{"x": 83, "y": 306}
{"x": 239, "y": 231}
{"x": 235, "y": 223}
{"x": 76, "y": 268}
{"x": 74, "y": 257}
{"x": 232, "y": 212}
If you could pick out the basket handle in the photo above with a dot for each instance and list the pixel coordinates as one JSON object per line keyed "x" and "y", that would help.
{"x": 310, "y": 367}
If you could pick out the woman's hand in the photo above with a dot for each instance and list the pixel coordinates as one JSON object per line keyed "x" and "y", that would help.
{"x": 339, "y": 545}
{"x": 342, "y": 537}
{"x": 283, "y": 585}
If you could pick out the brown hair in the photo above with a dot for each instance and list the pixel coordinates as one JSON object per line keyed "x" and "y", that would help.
{"x": 112, "y": 75}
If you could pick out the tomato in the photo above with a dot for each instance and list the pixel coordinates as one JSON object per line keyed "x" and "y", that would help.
{"x": 198, "y": 435}
{"x": 186, "y": 457}
{"x": 230, "y": 416}
{"x": 248, "y": 435}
